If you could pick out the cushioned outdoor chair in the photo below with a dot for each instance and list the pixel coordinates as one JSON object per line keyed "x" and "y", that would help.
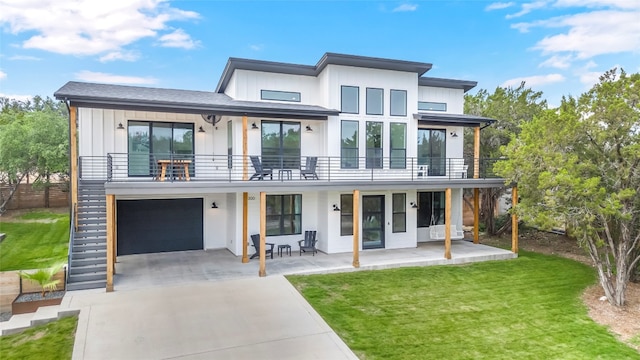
{"x": 268, "y": 250}
{"x": 260, "y": 170}
{"x": 309, "y": 242}
{"x": 309, "y": 170}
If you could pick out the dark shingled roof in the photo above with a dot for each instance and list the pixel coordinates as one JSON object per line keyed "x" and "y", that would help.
{"x": 155, "y": 99}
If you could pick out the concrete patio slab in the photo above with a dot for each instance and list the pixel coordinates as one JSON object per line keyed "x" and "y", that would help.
{"x": 236, "y": 319}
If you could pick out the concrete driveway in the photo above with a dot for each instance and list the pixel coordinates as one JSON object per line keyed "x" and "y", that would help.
{"x": 253, "y": 318}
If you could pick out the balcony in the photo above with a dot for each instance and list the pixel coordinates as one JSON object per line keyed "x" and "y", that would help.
{"x": 264, "y": 170}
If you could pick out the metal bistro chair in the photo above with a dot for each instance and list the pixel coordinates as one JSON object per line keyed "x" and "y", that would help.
{"x": 255, "y": 239}
{"x": 309, "y": 242}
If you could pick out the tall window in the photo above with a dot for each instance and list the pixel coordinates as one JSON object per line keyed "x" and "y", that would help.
{"x": 349, "y": 145}
{"x": 350, "y": 99}
{"x": 375, "y": 101}
{"x": 430, "y": 208}
{"x": 398, "y": 103}
{"x": 284, "y": 214}
{"x": 432, "y": 150}
{"x": 281, "y": 144}
{"x": 374, "y": 145}
{"x": 229, "y": 144}
{"x": 399, "y": 212}
{"x": 152, "y": 141}
{"x": 346, "y": 214}
{"x": 398, "y": 152}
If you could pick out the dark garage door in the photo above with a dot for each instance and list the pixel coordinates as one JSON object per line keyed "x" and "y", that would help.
{"x": 149, "y": 226}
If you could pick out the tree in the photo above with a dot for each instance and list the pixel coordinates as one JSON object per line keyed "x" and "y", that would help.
{"x": 580, "y": 164}
{"x": 33, "y": 142}
{"x": 511, "y": 108}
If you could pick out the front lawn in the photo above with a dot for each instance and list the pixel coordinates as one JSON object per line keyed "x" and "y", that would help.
{"x": 34, "y": 241}
{"x": 49, "y": 341}
{"x": 527, "y": 308}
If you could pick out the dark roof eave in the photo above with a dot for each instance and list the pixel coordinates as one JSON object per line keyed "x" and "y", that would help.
{"x": 453, "y": 119}
{"x": 465, "y": 85}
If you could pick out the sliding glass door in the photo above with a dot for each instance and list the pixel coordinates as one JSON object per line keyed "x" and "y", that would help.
{"x": 432, "y": 150}
{"x": 149, "y": 142}
{"x": 281, "y": 145}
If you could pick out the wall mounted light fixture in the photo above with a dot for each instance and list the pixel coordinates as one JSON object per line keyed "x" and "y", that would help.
{"x": 254, "y": 126}
{"x": 120, "y": 127}
{"x": 413, "y": 205}
{"x": 213, "y": 205}
{"x": 453, "y": 134}
{"x": 309, "y": 129}
{"x": 200, "y": 129}
{"x": 335, "y": 207}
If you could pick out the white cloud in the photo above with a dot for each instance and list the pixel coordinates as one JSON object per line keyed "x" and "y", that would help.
{"x": 178, "y": 39}
{"x": 99, "y": 77}
{"x": 619, "y": 4}
{"x": 256, "y": 47}
{"x": 119, "y": 55}
{"x": 25, "y": 58}
{"x": 527, "y": 8}
{"x": 533, "y": 81}
{"x": 16, "y": 97}
{"x": 558, "y": 62}
{"x": 406, "y": 7}
{"x": 3, "y": 75}
{"x": 499, "y": 6}
{"x": 590, "y": 78}
{"x": 77, "y": 27}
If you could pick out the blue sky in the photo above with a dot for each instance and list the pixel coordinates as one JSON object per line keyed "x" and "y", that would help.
{"x": 559, "y": 47}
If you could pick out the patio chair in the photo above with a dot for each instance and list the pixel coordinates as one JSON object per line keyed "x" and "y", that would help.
{"x": 310, "y": 168}
{"x": 309, "y": 242}
{"x": 255, "y": 239}
{"x": 260, "y": 170}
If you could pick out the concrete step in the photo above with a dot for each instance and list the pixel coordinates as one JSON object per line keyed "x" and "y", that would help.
{"x": 97, "y": 284}
{"x": 45, "y": 314}
{"x": 88, "y": 261}
{"x": 17, "y": 323}
{"x": 95, "y": 254}
{"x": 77, "y": 270}
{"x": 87, "y": 277}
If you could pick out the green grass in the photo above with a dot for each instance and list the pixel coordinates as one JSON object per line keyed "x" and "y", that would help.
{"x": 527, "y": 308}
{"x": 40, "y": 215}
{"x": 34, "y": 245}
{"x": 49, "y": 341}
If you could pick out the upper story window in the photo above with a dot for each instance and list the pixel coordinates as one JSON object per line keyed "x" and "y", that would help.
{"x": 279, "y": 95}
{"x": 375, "y": 101}
{"x": 350, "y": 99}
{"x": 398, "y": 103}
{"x": 432, "y": 106}
{"x": 349, "y": 145}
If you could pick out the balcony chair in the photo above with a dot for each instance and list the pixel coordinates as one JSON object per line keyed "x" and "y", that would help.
{"x": 260, "y": 170}
{"x": 309, "y": 170}
{"x": 309, "y": 242}
{"x": 255, "y": 239}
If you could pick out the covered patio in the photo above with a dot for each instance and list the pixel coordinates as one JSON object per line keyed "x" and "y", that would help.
{"x": 172, "y": 268}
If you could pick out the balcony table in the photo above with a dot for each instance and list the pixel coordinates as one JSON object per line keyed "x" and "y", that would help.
{"x": 181, "y": 165}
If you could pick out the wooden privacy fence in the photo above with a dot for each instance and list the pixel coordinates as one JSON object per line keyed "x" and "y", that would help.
{"x": 26, "y": 197}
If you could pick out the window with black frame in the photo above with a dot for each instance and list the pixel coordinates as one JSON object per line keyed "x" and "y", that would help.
{"x": 349, "y": 144}
{"x": 374, "y": 145}
{"x": 398, "y": 151}
{"x": 346, "y": 214}
{"x": 229, "y": 144}
{"x": 399, "y": 212}
{"x": 349, "y": 99}
{"x": 280, "y": 144}
{"x": 149, "y": 142}
{"x": 432, "y": 150}
{"x": 430, "y": 208}
{"x": 284, "y": 214}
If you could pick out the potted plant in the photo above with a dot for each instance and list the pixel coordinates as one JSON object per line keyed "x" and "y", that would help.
{"x": 48, "y": 295}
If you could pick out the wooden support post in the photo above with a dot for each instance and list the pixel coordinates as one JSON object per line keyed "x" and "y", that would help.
{"x": 447, "y": 224}
{"x": 476, "y": 216}
{"x": 263, "y": 232}
{"x": 514, "y": 220}
{"x": 73, "y": 158}
{"x": 111, "y": 238}
{"x": 356, "y": 228}
{"x": 245, "y": 155}
{"x": 245, "y": 226}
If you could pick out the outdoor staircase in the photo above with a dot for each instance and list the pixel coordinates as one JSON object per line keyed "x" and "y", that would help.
{"x": 88, "y": 257}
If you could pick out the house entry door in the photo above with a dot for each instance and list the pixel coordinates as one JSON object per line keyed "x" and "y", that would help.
{"x": 372, "y": 221}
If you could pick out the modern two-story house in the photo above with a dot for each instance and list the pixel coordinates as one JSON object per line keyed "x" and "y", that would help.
{"x": 367, "y": 152}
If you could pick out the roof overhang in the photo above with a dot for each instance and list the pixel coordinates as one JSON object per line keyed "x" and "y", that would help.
{"x": 465, "y": 85}
{"x": 452, "y": 120}
{"x": 105, "y": 96}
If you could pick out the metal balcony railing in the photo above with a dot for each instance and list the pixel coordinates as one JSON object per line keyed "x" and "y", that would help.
{"x": 120, "y": 167}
